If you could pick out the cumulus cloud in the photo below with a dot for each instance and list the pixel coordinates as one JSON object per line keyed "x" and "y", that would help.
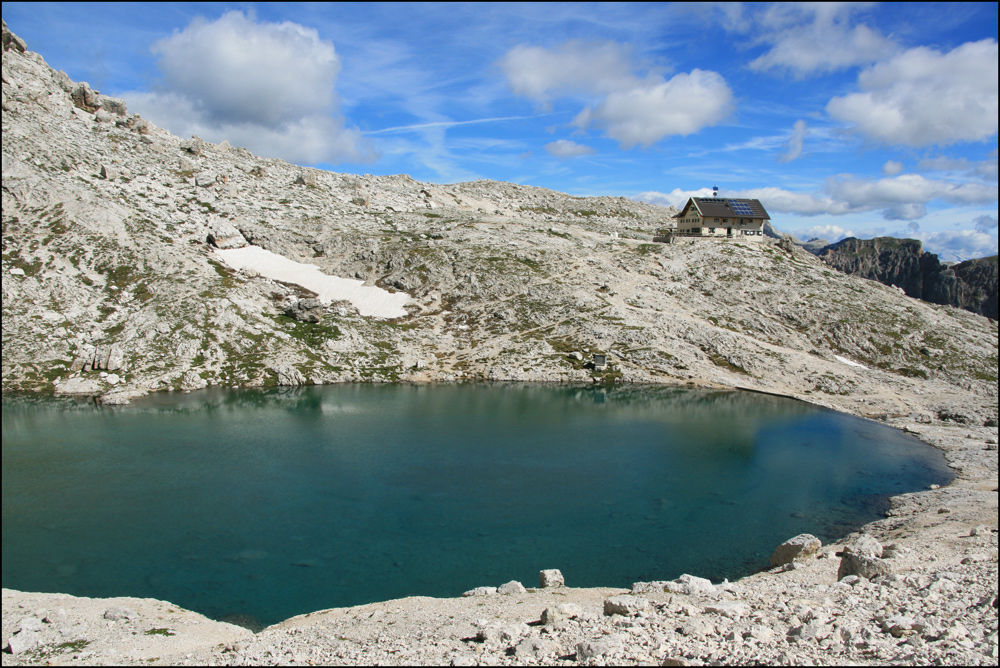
{"x": 816, "y": 38}
{"x": 922, "y": 97}
{"x": 576, "y": 67}
{"x": 793, "y": 148}
{"x": 268, "y": 86}
{"x": 647, "y": 113}
{"x": 564, "y": 148}
{"x": 632, "y": 110}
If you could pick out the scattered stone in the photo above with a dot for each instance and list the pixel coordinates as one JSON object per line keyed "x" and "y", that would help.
{"x": 729, "y": 609}
{"x": 690, "y": 585}
{"x": 560, "y": 613}
{"x": 194, "y": 146}
{"x": 598, "y": 649}
{"x": 306, "y": 179}
{"x": 22, "y": 642}
{"x": 625, "y": 605}
{"x": 535, "y": 647}
{"x": 480, "y": 591}
{"x": 118, "y": 613}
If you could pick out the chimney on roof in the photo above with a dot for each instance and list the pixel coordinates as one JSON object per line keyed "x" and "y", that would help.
{"x": 715, "y": 191}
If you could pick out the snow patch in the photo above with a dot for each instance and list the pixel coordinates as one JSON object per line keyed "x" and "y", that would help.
{"x": 369, "y": 300}
{"x": 849, "y": 362}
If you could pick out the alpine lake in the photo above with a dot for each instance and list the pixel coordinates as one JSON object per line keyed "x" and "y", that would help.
{"x": 254, "y": 506}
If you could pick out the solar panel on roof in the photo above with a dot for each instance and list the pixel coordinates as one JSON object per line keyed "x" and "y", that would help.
{"x": 741, "y": 208}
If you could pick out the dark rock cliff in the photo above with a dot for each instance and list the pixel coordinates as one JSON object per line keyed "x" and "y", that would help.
{"x": 971, "y": 285}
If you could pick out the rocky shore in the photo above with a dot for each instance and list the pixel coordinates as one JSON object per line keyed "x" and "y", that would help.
{"x": 114, "y": 287}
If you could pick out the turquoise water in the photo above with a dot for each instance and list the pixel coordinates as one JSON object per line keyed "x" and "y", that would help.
{"x": 262, "y": 505}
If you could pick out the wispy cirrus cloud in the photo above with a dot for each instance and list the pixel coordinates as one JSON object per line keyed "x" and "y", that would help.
{"x": 794, "y": 145}
{"x": 450, "y": 124}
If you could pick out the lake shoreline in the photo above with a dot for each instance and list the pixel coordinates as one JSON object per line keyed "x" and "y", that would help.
{"x": 789, "y": 616}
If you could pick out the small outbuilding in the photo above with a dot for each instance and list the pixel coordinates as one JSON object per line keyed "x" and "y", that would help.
{"x": 722, "y": 217}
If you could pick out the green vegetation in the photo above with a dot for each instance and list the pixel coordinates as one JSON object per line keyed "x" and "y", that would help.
{"x": 160, "y": 632}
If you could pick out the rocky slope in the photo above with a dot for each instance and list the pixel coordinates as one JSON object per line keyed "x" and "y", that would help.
{"x": 970, "y": 285}
{"x": 111, "y": 288}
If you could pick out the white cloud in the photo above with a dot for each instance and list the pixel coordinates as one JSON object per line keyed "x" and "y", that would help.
{"x": 816, "y": 38}
{"x": 831, "y": 233}
{"x": 649, "y": 112}
{"x": 922, "y": 97}
{"x": 902, "y": 197}
{"x": 778, "y": 200}
{"x": 892, "y": 168}
{"x": 576, "y": 67}
{"x": 957, "y": 245}
{"x": 907, "y": 189}
{"x": 986, "y": 169}
{"x": 632, "y": 110}
{"x": 793, "y": 148}
{"x": 905, "y": 211}
{"x": 676, "y": 198}
{"x": 564, "y": 148}
{"x": 267, "y": 86}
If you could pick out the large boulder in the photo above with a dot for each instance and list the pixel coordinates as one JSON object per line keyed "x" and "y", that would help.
{"x": 306, "y": 310}
{"x": 552, "y": 577}
{"x": 224, "y": 235}
{"x": 800, "y": 547}
{"x": 863, "y": 558}
{"x": 862, "y": 566}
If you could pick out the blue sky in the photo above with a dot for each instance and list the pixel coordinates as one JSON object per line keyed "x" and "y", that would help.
{"x": 844, "y": 119}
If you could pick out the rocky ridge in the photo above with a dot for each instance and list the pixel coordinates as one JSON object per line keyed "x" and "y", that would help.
{"x": 112, "y": 288}
{"x": 970, "y": 285}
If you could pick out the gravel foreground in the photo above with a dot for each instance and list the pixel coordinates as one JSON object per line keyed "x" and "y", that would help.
{"x": 931, "y": 599}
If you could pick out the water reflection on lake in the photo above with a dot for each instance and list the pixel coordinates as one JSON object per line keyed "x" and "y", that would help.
{"x": 272, "y": 504}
